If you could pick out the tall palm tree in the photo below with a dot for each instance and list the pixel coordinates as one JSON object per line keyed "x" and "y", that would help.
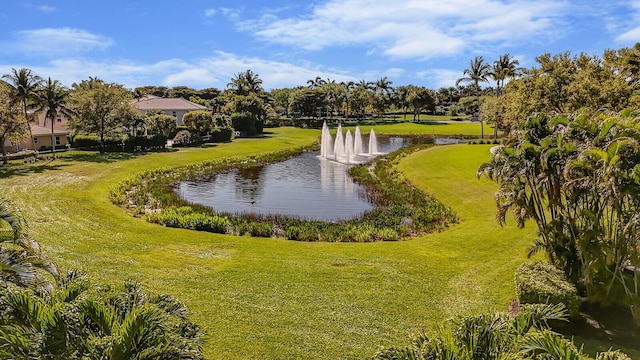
{"x": 315, "y": 83}
{"x": 26, "y": 85}
{"x": 478, "y": 71}
{"x": 504, "y": 68}
{"x": 52, "y": 99}
{"x": 245, "y": 83}
{"x": 20, "y": 256}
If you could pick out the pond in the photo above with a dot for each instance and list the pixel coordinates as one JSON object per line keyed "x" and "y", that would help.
{"x": 305, "y": 186}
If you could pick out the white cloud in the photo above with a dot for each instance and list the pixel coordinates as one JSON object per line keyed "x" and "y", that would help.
{"x": 218, "y": 70}
{"x": 46, "y": 8}
{"x": 437, "y": 78}
{"x": 630, "y": 36}
{"x": 210, "y": 12}
{"x": 412, "y": 28}
{"x": 54, "y": 42}
{"x": 215, "y": 71}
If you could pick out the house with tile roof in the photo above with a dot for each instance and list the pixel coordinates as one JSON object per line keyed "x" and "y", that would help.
{"x": 41, "y": 138}
{"x": 171, "y": 106}
{"x": 41, "y": 129}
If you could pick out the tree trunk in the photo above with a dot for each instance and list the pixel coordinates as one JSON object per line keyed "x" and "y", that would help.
{"x": 53, "y": 141}
{"x": 102, "y": 137}
{"x": 26, "y": 119}
{"x": 4, "y": 152}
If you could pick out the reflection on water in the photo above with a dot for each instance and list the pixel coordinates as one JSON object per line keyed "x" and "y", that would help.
{"x": 304, "y": 186}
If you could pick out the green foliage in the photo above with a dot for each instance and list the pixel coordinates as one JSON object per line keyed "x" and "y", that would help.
{"x": 185, "y": 217}
{"x": 160, "y": 123}
{"x": 539, "y": 283}
{"x": 186, "y": 138}
{"x": 101, "y": 108}
{"x": 612, "y": 355}
{"x": 576, "y": 178}
{"x": 79, "y": 320}
{"x": 200, "y": 121}
{"x": 523, "y": 335}
{"x": 21, "y": 261}
{"x": 245, "y": 123}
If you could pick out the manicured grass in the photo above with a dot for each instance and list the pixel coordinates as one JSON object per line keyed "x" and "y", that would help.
{"x": 273, "y": 298}
{"x": 438, "y": 129}
{"x": 423, "y": 117}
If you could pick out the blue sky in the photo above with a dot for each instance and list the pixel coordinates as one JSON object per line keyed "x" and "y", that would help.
{"x": 204, "y": 43}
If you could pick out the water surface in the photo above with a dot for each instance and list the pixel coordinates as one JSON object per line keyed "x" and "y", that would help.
{"x": 304, "y": 186}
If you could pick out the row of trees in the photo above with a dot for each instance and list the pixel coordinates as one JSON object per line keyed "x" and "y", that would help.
{"x": 565, "y": 83}
{"x": 570, "y": 165}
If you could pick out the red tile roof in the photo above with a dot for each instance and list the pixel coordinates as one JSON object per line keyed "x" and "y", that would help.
{"x": 151, "y": 102}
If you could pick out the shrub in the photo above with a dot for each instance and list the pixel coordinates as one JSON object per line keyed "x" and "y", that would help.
{"x": 259, "y": 229}
{"x": 186, "y": 138}
{"x": 539, "y": 283}
{"x": 612, "y": 355}
{"x": 185, "y": 217}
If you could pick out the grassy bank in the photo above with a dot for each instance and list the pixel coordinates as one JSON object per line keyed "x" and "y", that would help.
{"x": 273, "y": 298}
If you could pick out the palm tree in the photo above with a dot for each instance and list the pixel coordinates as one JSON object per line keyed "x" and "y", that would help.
{"x": 504, "y": 68}
{"x": 315, "y": 83}
{"x": 26, "y": 86}
{"x": 52, "y": 99}
{"x": 73, "y": 323}
{"x": 478, "y": 71}
{"x": 367, "y": 85}
{"x": 20, "y": 256}
{"x": 245, "y": 83}
{"x": 492, "y": 336}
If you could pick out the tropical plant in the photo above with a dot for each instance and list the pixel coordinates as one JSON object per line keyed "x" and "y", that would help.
{"x": 245, "y": 83}
{"x": 504, "y": 68}
{"x": 52, "y": 100}
{"x": 12, "y": 127}
{"x": 26, "y": 85}
{"x": 21, "y": 261}
{"x": 523, "y": 333}
{"x": 76, "y": 323}
{"x": 478, "y": 71}
{"x": 578, "y": 179}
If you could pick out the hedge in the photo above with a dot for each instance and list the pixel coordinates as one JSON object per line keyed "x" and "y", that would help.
{"x": 538, "y": 283}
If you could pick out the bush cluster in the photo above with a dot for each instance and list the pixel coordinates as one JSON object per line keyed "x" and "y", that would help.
{"x": 540, "y": 283}
{"x": 186, "y": 218}
{"x": 129, "y": 144}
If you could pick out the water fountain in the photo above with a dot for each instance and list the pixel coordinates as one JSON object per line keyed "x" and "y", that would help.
{"x": 348, "y": 148}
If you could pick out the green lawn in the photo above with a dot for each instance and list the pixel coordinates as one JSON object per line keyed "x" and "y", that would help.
{"x": 272, "y": 298}
{"x": 438, "y": 129}
{"x": 424, "y": 117}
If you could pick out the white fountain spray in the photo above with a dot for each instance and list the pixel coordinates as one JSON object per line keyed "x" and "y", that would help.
{"x": 348, "y": 147}
{"x": 373, "y": 143}
{"x": 358, "y": 148}
{"x": 338, "y": 146}
{"x": 326, "y": 142}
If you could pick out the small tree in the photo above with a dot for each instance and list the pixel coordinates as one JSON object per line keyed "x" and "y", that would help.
{"x": 12, "y": 127}
{"x": 101, "y": 108}
{"x": 160, "y": 123}
{"x": 200, "y": 121}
